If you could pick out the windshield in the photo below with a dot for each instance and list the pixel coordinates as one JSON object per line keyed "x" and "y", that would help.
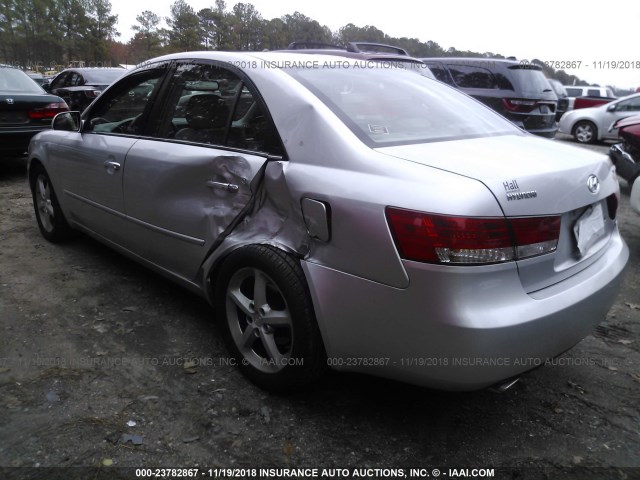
{"x": 14, "y": 80}
{"x": 387, "y": 106}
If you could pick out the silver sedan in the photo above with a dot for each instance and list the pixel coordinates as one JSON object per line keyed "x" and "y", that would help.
{"x": 341, "y": 213}
{"x": 590, "y": 125}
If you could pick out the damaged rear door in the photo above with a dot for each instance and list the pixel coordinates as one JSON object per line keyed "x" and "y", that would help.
{"x": 185, "y": 186}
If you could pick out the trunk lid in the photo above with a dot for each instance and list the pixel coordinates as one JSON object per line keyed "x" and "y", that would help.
{"x": 530, "y": 176}
{"x": 15, "y": 108}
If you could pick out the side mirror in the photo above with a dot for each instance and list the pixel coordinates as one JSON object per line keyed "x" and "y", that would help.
{"x": 635, "y": 195}
{"x": 67, "y": 121}
{"x": 611, "y": 108}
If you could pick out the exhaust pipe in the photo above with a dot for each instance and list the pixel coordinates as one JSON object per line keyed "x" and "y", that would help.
{"x": 504, "y": 385}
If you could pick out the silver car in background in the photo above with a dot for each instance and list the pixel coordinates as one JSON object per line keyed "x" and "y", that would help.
{"x": 591, "y": 125}
{"x": 342, "y": 213}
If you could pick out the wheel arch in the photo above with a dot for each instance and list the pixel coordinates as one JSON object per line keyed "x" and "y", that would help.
{"x": 33, "y": 164}
{"x": 212, "y": 265}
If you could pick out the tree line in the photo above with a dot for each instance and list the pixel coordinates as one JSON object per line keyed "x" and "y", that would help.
{"x": 42, "y": 34}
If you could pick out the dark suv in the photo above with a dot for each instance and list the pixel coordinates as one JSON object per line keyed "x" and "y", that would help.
{"x": 517, "y": 90}
{"x": 378, "y": 52}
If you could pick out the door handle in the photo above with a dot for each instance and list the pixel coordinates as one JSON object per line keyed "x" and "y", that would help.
{"x": 229, "y": 187}
{"x": 111, "y": 166}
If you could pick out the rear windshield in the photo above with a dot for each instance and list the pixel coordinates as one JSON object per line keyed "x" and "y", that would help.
{"x": 14, "y": 80}
{"x": 530, "y": 81}
{"x": 388, "y": 106}
{"x": 103, "y": 76}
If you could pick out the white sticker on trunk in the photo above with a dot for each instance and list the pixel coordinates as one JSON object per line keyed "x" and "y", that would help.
{"x": 589, "y": 228}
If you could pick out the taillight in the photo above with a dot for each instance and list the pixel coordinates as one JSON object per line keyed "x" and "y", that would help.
{"x": 48, "y": 111}
{"x": 519, "y": 105}
{"x": 535, "y": 235}
{"x": 426, "y": 237}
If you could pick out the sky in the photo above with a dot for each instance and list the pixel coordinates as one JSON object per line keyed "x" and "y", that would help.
{"x": 602, "y": 45}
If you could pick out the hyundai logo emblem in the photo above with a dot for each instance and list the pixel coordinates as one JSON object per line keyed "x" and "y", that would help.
{"x": 10, "y": 101}
{"x": 593, "y": 184}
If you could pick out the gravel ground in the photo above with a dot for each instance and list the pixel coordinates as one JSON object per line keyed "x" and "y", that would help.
{"x": 105, "y": 365}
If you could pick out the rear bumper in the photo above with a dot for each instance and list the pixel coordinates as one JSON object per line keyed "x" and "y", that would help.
{"x": 459, "y": 328}
{"x": 15, "y": 141}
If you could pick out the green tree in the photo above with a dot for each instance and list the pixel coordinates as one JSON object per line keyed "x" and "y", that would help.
{"x": 275, "y": 34}
{"x": 148, "y": 33}
{"x": 247, "y": 26}
{"x": 101, "y": 29}
{"x": 184, "y": 28}
{"x": 299, "y": 27}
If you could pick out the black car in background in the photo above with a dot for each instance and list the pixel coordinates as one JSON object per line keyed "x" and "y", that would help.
{"x": 563, "y": 97}
{"x": 25, "y": 109}
{"x": 517, "y": 90}
{"x": 80, "y": 86}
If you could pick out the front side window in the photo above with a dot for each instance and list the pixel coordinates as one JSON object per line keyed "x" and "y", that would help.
{"x": 71, "y": 80}
{"x": 208, "y": 104}
{"x": 631, "y": 105}
{"x": 58, "y": 82}
{"x": 386, "y": 107}
{"x": 121, "y": 111}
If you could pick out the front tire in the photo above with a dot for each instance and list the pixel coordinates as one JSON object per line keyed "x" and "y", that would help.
{"x": 49, "y": 216}
{"x": 585, "y": 132}
{"x": 268, "y": 318}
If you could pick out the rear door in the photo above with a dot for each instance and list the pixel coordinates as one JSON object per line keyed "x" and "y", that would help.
{"x": 184, "y": 187}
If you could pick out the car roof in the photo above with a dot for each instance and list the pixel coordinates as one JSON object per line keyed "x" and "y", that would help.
{"x": 279, "y": 59}
{"x": 269, "y": 56}
{"x": 364, "y": 48}
{"x": 478, "y": 60}
{"x": 487, "y": 61}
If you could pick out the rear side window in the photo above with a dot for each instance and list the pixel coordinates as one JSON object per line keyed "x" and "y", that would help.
{"x": 211, "y": 105}
{"x": 574, "y": 92}
{"x": 467, "y": 76}
{"x": 440, "y": 72}
{"x": 594, "y": 92}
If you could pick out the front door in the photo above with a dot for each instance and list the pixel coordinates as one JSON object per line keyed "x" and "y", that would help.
{"x": 93, "y": 161}
{"x": 183, "y": 188}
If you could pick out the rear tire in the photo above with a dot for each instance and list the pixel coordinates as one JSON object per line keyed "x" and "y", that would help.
{"x": 51, "y": 222}
{"x": 268, "y": 318}
{"x": 585, "y": 132}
